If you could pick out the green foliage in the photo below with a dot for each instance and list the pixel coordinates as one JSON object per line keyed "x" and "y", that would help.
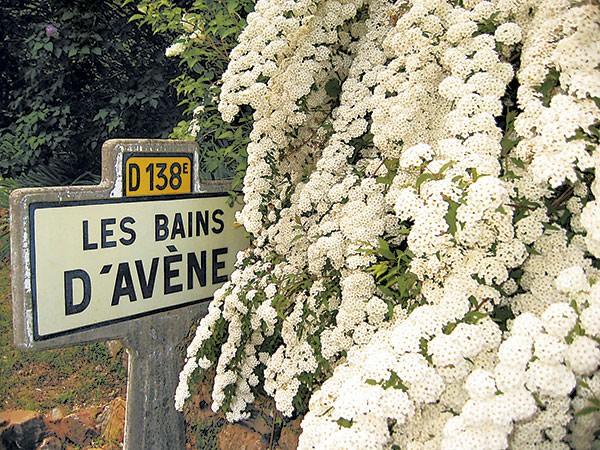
{"x": 547, "y": 87}
{"x": 489, "y": 25}
{"x": 394, "y": 381}
{"x": 501, "y": 315}
{"x": 510, "y": 139}
{"x": 333, "y": 88}
{"x": 392, "y": 169}
{"x": 451, "y": 215}
{"x": 207, "y": 32}
{"x": 91, "y": 78}
{"x": 392, "y": 277}
{"x": 344, "y": 422}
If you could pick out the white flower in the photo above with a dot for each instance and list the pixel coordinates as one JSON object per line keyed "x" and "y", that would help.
{"x": 590, "y": 320}
{"x": 508, "y": 33}
{"x": 480, "y": 384}
{"x": 414, "y": 156}
{"x": 559, "y": 319}
{"x": 572, "y": 280}
{"x": 175, "y": 49}
{"x": 583, "y": 355}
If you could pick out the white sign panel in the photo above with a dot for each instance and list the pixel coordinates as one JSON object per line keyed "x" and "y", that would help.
{"x": 97, "y": 262}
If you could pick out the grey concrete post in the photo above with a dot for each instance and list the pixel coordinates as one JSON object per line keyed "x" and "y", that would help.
{"x": 154, "y": 364}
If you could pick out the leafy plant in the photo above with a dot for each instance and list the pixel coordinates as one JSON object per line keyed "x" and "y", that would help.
{"x": 392, "y": 277}
{"x": 75, "y": 74}
{"x": 207, "y": 31}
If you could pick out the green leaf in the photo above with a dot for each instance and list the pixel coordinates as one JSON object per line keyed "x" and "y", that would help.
{"x": 424, "y": 350}
{"x": 507, "y": 145}
{"x": 474, "y": 316}
{"x": 387, "y": 291}
{"x": 517, "y": 162}
{"x": 595, "y": 402}
{"x": 384, "y": 249}
{"x": 391, "y": 381}
{"x": 226, "y": 135}
{"x": 101, "y": 115}
{"x": 49, "y": 46}
{"x": 333, "y": 88}
{"x": 344, "y": 422}
{"x": 451, "y": 215}
{"x": 586, "y": 411}
{"x": 546, "y": 88}
{"x": 424, "y": 177}
{"x": 445, "y": 166}
{"x": 473, "y": 301}
{"x": 531, "y": 250}
{"x": 400, "y": 385}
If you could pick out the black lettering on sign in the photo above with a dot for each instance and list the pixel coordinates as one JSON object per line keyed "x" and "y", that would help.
{"x": 171, "y": 273}
{"x": 201, "y": 221}
{"x": 182, "y": 228}
{"x": 133, "y": 168}
{"x": 178, "y": 228}
{"x": 70, "y": 306}
{"x": 106, "y": 232}
{"x": 161, "y": 176}
{"x": 217, "y": 220}
{"x": 87, "y": 245}
{"x": 120, "y": 289}
{"x": 147, "y": 285}
{"x": 161, "y": 227}
{"x": 127, "y": 230}
{"x": 216, "y": 265}
{"x": 175, "y": 180}
{"x": 198, "y": 269}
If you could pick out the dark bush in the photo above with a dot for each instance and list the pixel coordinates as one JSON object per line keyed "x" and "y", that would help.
{"x": 74, "y": 74}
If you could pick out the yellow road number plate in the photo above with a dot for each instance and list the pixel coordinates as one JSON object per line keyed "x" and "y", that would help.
{"x": 157, "y": 174}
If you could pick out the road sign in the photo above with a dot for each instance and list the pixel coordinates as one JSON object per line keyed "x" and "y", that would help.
{"x": 97, "y": 262}
{"x": 157, "y": 174}
{"x": 135, "y": 259}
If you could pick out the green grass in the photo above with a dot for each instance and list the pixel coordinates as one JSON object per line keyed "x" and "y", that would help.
{"x": 41, "y": 380}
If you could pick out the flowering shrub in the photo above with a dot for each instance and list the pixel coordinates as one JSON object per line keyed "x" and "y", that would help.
{"x": 420, "y": 190}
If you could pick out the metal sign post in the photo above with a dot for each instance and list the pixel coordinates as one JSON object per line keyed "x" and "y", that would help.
{"x": 135, "y": 258}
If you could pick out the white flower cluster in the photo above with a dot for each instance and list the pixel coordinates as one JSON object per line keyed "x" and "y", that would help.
{"x": 395, "y": 124}
{"x": 569, "y": 58}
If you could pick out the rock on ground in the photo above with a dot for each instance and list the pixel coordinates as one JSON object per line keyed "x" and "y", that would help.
{"x": 21, "y": 429}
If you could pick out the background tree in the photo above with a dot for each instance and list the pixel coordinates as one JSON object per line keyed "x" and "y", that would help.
{"x": 75, "y": 73}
